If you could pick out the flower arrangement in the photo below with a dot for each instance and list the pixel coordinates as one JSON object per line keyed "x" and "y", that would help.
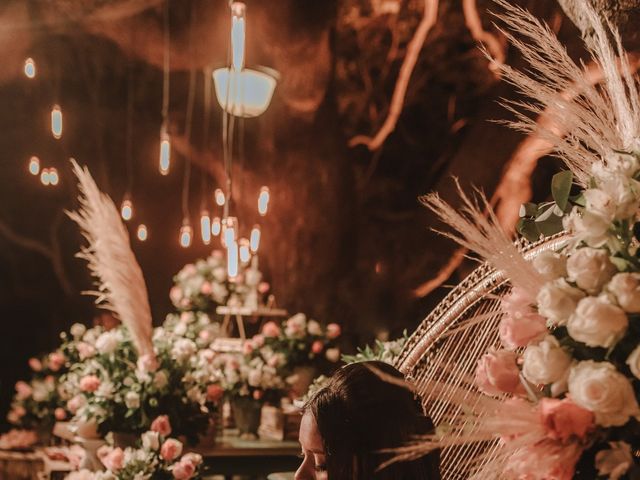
{"x": 205, "y": 284}
{"x": 157, "y": 456}
{"x": 386, "y": 352}
{"x": 561, "y": 391}
{"x": 119, "y": 391}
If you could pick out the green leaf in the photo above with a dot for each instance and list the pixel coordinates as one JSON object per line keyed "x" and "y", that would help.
{"x": 621, "y": 264}
{"x": 528, "y": 229}
{"x": 549, "y": 226}
{"x": 561, "y": 188}
{"x": 528, "y": 210}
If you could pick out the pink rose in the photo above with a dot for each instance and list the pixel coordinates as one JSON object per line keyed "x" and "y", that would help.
{"x": 171, "y": 449}
{"x": 185, "y": 303}
{"x": 333, "y": 331}
{"x": 271, "y": 330}
{"x": 161, "y": 425}
{"x": 258, "y": 341}
{"x": 247, "y": 348}
{"x": 564, "y": 419}
{"x": 214, "y": 393}
{"x": 206, "y": 289}
{"x": 186, "y": 317}
{"x": 75, "y": 404}
{"x": 114, "y": 460}
{"x": 207, "y": 354}
{"x": 35, "y": 364}
{"x": 183, "y": 470}
{"x": 544, "y": 460}
{"x": 317, "y": 347}
{"x": 23, "y": 390}
{"x": 497, "y": 373}
{"x": 263, "y": 287}
{"x": 85, "y": 350}
{"x": 90, "y": 383}
{"x": 175, "y": 294}
{"x": 60, "y": 414}
{"x": 56, "y": 361}
{"x": 520, "y": 325}
{"x": 258, "y": 394}
{"x": 20, "y": 411}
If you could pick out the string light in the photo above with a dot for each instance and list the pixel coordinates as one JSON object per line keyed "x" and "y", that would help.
{"x": 216, "y": 226}
{"x": 44, "y": 177}
{"x": 232, "y": 259}
{"x": 219, "y": 195}
{"x": 165, "y": 152}
{"x": 205, "y": 227}
{"x": 29, "y": 68}
{"x": 254, "y": 242}
{"x": 126, "y": 209}
{"x": 230, "y": 231}
{"x": 34, "y": 165}
{"x": 245, "y": 254}
{"x": 263, "y": 201}
{"x": 56, "y": 122}
{"x": 142, "y": 233}
{"x": 186, "y": 232}
{"x": 53, "y": 176}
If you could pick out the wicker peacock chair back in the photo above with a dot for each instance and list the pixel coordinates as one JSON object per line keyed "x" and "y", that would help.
{"x": 447, "y": 345}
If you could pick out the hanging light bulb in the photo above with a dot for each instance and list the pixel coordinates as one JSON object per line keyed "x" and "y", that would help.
{"x": 142, "y": 233}
{"x": 30, "y": 68}
{"x": 263, "y": 201}
{"x": 44, "y": 176}
{"x": 56, "y": 122}
{"x": 165, "y": 152}
{"x": 219, "y": 196}
{"x": 126, "y": 209}
{"x": 186, "y": 232}
{"x": 34, "y": 165}
{"x": 230, "y": 231}
{"x": 216, "y": 226}
{"x": 254, "y": 242}
{"x": 205, "y": 227}
{"x": 245, "y": 254}
{"x": 53, "y": 176}
{"x": 232, "y": 259}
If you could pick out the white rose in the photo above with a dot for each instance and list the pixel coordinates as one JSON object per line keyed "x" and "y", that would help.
{"x": 586, "y": 226}
{"x": 557, "y": 301}
{"x": 314, "y": 328}
{"x": 551, "y": 265}
{"x": 597, "y": 323}
{"x": 600, "y": 203}
{"x": 545, "y": 362}
{"x": 625, "y": 193}
{"x": 107, "y": 342}
{"x": 183, "y": 348}
{"x": 599, "y": 387}
{"x": 254, "y": 378}
{"x": 132, "y": 400}
{"x": 160, "y": 380}
{"x": 590, "y": 269}
{"x": 77, "y": 330}
{"x": 626, "y": 288}
{"x": 633, "y": 360}
{"x": 151, "y": 441}
{"x": 333, "y": 354}
{"x": 181, "y": 329}
{"x": 614, "y": 462}
{"x": 219, "y": 274}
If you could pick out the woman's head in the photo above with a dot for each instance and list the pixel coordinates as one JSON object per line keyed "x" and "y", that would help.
{"x": 357, "y": 414}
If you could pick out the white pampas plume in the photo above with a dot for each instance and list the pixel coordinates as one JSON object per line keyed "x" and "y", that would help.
{"x": 121, "y": 286}
{"x": 481, "y": 232}
{"x": 600, "y": 121}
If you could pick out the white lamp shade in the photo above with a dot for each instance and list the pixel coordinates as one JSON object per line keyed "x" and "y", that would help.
{"x": 246, "y": 93}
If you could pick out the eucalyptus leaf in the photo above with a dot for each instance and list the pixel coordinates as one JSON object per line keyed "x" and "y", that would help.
{"x": 528, "y": 229}
{"x": 561, "y": 188}
{"x": 528, "y": 209}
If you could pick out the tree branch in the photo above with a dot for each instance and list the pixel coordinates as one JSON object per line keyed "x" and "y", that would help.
{"x": 494, "y": 46}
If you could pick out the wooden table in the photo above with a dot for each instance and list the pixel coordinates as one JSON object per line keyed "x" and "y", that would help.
{"x": 252, "y": 458}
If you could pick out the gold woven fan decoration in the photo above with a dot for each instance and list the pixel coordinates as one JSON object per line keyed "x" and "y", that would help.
{"x": 121, "y": 288}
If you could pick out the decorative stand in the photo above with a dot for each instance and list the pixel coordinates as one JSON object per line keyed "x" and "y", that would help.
{"x": 241, "y": 312}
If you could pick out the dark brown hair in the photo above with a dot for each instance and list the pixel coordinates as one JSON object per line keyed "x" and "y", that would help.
{"x": 358, "y": 414}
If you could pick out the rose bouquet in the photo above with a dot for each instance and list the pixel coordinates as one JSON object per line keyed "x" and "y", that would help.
{"x": 203, "y": 285}
{"x": 157, "y": 457}
{"x": 119, "y": 391}
{"x": 561, "y": 390}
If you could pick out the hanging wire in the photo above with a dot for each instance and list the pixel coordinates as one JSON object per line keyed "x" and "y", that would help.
{"x": 188, "y": 126}
{"x": 129, "y": 139}
{"x": 166, "y": 66}
{"x": 204, "y": 190}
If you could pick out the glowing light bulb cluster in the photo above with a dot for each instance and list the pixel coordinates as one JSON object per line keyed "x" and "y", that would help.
{"x": 219, "y": 197}
{"x": 56, "y": 122}
{"x": 165, "y": 153}
{"x": 245, "y": 253}
{"x": 126, "y": 209}
{"x": 30, "y": 68}
{"x": 49, "y": 176}
{"x": 186, "y": 234}
{"x": 205, "y": 227}
{"x": 263, "y": 201}
{"x": 142, "y": 232}
{"x": 34, "y": 165}
{"x": 216, "y": 226}
{"x": 254, "y": 239}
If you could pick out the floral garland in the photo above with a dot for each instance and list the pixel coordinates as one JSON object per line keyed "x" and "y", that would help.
{"x": 203, "y": 285}
{"x": 157, "y": 456}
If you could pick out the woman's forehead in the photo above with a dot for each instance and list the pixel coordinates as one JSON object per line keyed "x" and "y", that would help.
{"x": 310, "y": 438}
